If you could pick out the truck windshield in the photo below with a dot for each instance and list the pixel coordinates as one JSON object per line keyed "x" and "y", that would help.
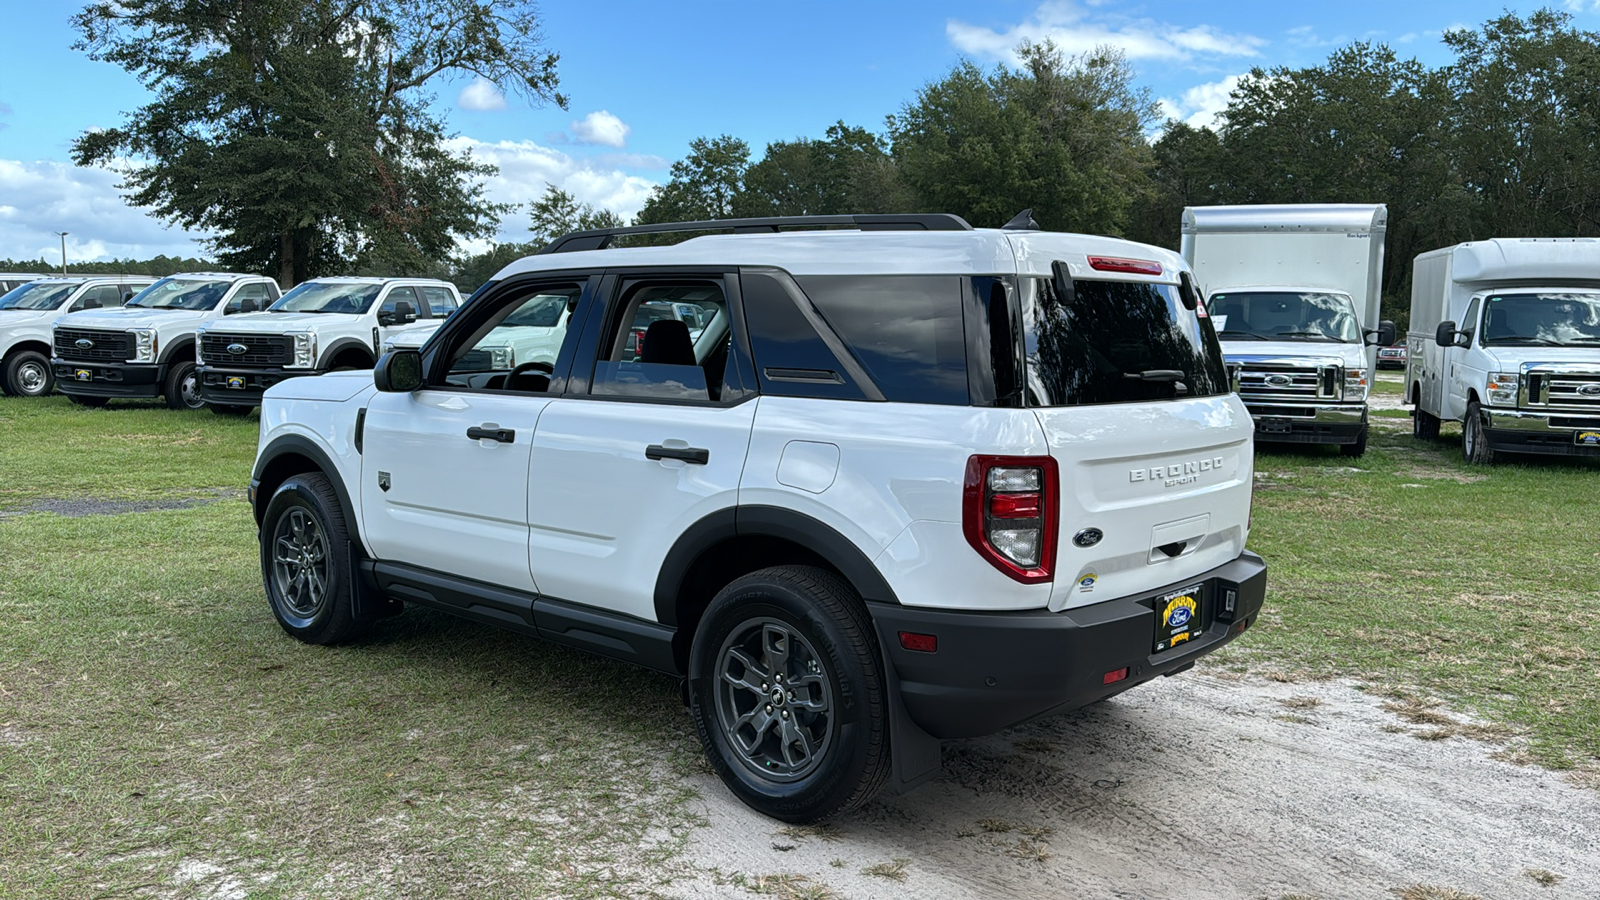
{"x": 1285, "y": 316}
{"x": 1117, "y": 342}
{"x": 36, "y": 296}
{"x": 1553, "y": 319}
{"x": 181, "y": 293}
{"x": 540, "y": 312}
{"x": 323, "y": 297}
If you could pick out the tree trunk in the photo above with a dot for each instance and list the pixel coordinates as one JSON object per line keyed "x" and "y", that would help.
{"x": 286, "y": 260}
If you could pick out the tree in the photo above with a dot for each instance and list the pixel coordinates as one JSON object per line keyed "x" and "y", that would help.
{"x": 297, "y": 131}
{"x": 1062, "y": 135}
{"x": 850, "y": 171}
{"x": 558, "y": 213}
{"x": 702, "y": 185}
{"x": 1187, "y": 170}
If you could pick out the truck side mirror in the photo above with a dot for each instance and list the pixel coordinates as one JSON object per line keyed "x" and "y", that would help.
{"x": 403, "y": 312}
{"x": 1385, "y": 334}
{"x": 398, "y": 372}
{"x": 1445, "y": 334}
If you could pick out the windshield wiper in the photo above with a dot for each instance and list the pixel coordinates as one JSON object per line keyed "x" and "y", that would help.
{"x": 1586, "y": 339}
{"x": 1244, "y": 334}
{"x": 1521, "y": 339}
{"x": 1305, "y": 334}
{"x": 1155, "y": 375}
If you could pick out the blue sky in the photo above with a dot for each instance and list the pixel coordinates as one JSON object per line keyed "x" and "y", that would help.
{"x": 645, "y": 78}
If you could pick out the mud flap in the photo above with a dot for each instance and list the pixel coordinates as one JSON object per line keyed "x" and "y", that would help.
{"x": 914, "y": 756}
{"x": 367, "y": 600}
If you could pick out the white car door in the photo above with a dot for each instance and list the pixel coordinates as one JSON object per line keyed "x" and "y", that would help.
{"x": 1460, "y": 375}
{"x": 642, "y": 447}
{"x": 445, "y": 468}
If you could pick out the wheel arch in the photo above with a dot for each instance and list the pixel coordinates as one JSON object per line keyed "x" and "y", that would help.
{"x": 348, "y": 348}
{"x": 34, "y": 344}
{"x": 291, "y": 455}
{"x": 169, "y": 353}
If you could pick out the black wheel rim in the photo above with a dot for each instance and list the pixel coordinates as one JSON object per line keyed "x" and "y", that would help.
{"x": 300, "y": 564}
{"x": 774, "y": 700}
{"x": 32, "y": 378}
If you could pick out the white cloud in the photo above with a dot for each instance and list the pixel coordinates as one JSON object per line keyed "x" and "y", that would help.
{"x": 44, "y": 197}
{"x": 481, "y": 95}
{"x": 601, "y": 127}
{"x": 1200, "y": 104}
{"x": 1077, "y": 29}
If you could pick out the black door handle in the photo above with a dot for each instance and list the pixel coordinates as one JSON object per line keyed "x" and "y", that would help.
{"x": 688, "y": 454}
{"x": 492, "y": 433}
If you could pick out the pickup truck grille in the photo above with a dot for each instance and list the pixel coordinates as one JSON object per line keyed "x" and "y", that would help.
{"x": 473, "y": 361}
{"x": 260, "y": 349}
{"x": 1271, "y": 383}
{"x": 1566, "y": 390}
{"x": 103, "y": 346}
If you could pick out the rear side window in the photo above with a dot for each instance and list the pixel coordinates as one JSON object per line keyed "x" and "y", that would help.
{"x": 792, "y": 358}
{"x": 1115, "y": 342}
{"x": 441, "y": 302}
{"x": 905, "y": 329}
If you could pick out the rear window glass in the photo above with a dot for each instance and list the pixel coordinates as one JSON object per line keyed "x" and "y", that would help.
{"x": 906, "y": 330}
{"x": 1117, "y": 342}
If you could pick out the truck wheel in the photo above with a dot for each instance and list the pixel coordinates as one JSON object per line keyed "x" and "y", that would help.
{"x": 788, "y": 696}
{"x": 27, "y": 374}
{"x": 1474, "y": 444}
{"x": 182, "y": 389}
{"x": 229, "y": 409}
{"x": 92, "y": 402}
{"x": 1424, "y": 426}
{"x": 1358, "y": 448}
{"x": 305, "y": 561}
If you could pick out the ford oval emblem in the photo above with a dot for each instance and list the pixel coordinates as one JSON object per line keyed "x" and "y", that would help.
{"x": 1088, "y": 537}
{"x": 1590, "y": 390}
{"x": 237, "y": 349}
{"x": 1279, "y": 380}
{"x": 83, "y": 343}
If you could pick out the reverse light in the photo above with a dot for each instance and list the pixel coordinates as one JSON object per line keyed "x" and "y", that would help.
{"x": 1130, "y": 266}
{"x": 305, "y": 350}
{"x": 1010, "y": 513}
{"x": 1502, "y": 388}
{"x": 145, "y": 344}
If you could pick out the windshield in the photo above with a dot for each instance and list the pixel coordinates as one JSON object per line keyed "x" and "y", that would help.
{"x": 181, "y": 293}
{"x": 1285, "y": 316}
{"x": 37, "y": 295}
{"x": 1553, "y": 319}
{"x": 323, "y": 297}
{"x": 540, "y": 312}
{"x": 1117, "y": 342}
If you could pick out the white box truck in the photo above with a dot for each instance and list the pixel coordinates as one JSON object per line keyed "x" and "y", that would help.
{"x": 1505, "y": 339}
{"x": 1293, "y": 292}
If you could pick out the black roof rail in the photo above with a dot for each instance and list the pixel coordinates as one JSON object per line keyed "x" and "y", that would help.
{"x": 600, "y": 239}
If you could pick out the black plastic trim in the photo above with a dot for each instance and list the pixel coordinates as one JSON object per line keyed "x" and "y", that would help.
{"x": 294, "y": 443}
{"x": 601, "y": 238}
{"x": 341, "y": 345}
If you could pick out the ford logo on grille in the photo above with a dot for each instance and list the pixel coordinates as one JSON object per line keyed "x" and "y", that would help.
{"x": 1590, "y": 390}
{"x": 237, "y": 349}
{"x": 83, "y": 343}
{"x": 1279, "y": 380}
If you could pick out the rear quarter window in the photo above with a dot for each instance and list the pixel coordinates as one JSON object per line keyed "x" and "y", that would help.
{"x": 906, "y": 331}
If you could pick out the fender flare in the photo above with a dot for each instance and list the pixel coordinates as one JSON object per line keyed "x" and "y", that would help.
{"x": 304, "y": 446}
{"x": 768, "y": 521}
{"x": 345, "y": 343}
{"x": 183, "y": 342}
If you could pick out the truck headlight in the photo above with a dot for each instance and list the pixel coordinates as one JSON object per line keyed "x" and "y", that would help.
{"x": 145, "y": 344}
{"x": 1355, "y": 384}
{"x": 305, "y": 350}
{"x": 502, "y": 358}
{"x": 1501, "y": 388}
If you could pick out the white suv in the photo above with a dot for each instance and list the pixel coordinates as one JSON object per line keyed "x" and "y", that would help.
{"x": 909, "y": 481}
{"x": 146, "y": 348}
{"x": 322, "y": 325}
{"x": 27, "y": 313}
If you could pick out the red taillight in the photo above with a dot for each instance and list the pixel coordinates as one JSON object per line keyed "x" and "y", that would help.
{"x": 1010, "y": 513}
{"x": 1114, "y": 677}
{"x": 1131, "y": 266}
{"x": 922, "y": 643}
{"x": 638, "y": 342}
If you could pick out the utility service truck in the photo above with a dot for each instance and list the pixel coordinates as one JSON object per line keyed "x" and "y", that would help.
{"x": 1505, "y": 339}
{"x": 1293, "y": 293}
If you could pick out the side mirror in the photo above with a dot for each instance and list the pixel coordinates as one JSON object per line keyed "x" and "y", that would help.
{"x": 1445, "y": 334}
{"x": 126, "y": 296}
{"x": 92, "y": 303}
{"x": 398, "y": 372}
{"x": 1385, "y": 334}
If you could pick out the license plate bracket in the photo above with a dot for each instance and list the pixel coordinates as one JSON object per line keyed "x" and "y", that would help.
{"x": 1586, "y": 438}
{"x": 1178, "y": 617}
{"x": 1274, "y": 425}
{"x": 236, "y": 382}
{"x": 83, "y": 374}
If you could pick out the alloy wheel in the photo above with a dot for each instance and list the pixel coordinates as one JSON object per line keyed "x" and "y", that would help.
{"x": 300, "y": 563}
{"x": 774, "y": 700}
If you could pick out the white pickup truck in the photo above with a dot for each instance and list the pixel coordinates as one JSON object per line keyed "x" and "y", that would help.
{"x": 1294, "y": 294}
{"x": 1505, "y": 339}
{"x": 27, "y": 313}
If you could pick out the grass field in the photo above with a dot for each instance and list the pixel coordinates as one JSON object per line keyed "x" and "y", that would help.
{"x": 159, "y": 734}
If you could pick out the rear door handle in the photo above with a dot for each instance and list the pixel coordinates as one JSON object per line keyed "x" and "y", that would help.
{"x": 492, "y": 433}
{"x": 693, "y": 455}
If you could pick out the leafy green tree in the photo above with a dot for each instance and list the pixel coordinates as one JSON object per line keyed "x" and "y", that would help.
{"x": 1187, "y": 170}
{"x": 850, "y": 171}
{"x": 702, "y": 185}
{"x": 558, "y": 213}
{"x": 297, "y": 131}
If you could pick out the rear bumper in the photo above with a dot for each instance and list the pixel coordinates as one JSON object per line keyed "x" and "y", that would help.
{"x": 214, "y": 381}
{"x": 995, "y": 670}
{"x": 109, "y": 379}
{"x": 1550, "y": 433}
{"x": 1296, "y": 424}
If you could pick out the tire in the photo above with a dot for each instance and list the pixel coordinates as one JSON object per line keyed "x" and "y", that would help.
{"x": 27, "y": 374}
{"x": 1358, "y": 448}
{"x": 91, "y": 402}
{"x": 228, "y": 409}
{"x": 305, "y": 561}
{"x": 182, "y": 388}
{"x": 1474, "y": 443}
{"x": 1424, "y": 426}
{"x": 808, "y": 625}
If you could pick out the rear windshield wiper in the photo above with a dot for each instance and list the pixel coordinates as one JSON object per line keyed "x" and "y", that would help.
{"x": 1155, "y": 375}
{"x": 1244, "y": 334}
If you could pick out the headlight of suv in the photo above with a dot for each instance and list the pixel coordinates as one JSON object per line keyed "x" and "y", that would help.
{"x": 145, "y": 344}
{"x": 305, "y": 350}
{"x": 502, "y": 358}
{"x": 1355, "y": 384}
{"x": 1502, "y": 388}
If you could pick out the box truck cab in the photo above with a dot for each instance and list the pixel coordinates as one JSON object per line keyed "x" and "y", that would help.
{"x": 1293, "y": 292}
{"x": 1505, "y": 339}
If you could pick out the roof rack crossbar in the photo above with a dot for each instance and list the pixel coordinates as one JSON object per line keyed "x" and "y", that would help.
{"x": 600, "y": 239}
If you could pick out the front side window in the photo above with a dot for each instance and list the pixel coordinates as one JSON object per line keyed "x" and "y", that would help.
{"x": 653, "y": 350}
{"x": 441, "y": 302}
{"x": 104, "y": 296}
{"x": 327, "y": 297}
{"x": 397, "y": 296}
{"x": 1550, "y": 319}
{"x": 37, "y": 295}
{"x": 516, "y": 348}
{"x": 1115, "y": 342}
{"x": 1285, "y": 316}
{"x": 178, "y": 293}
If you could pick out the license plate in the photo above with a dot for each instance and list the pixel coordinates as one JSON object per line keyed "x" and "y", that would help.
{"x": 1587, "y": 438}
{"x": 1274, "y": 425}
{"x": 1177, "y": 618}
{"x": 236, "y": 382}
{"x": 83, "y": 374}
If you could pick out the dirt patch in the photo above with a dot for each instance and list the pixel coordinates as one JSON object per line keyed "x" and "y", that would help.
{"x": 1194, "y": 787}
{"x": 79, "y": 507}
